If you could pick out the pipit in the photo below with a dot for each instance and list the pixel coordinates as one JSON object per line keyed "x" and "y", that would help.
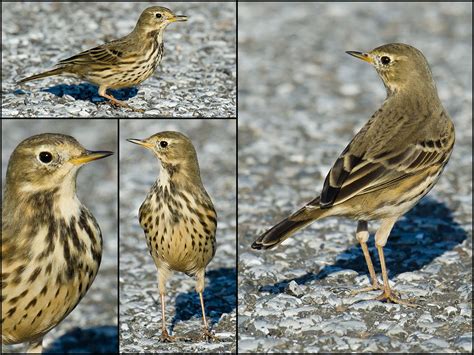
{"x": 51, "y": 243}
{"x": 391, "y": 163}
{"x": 178, "y": 217}
{"x": 125, "y": 62}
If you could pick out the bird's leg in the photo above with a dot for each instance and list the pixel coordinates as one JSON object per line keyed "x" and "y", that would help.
{"x": 162, "y": 276}
{"x": 35, "y": 347}
{"x": 165, "y": 337}
{"x": 362, "y": 235}
{"x": 207, "y": 334}
{"x": 113, "y": 101}
{"x": 380, "y": 240}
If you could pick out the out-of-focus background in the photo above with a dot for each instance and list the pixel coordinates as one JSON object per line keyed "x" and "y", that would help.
{"x": 301, "y": 100}
{"x": 196, "y": 78}
{"x": 140, "y": 312}
{"x": 92, "y": 326}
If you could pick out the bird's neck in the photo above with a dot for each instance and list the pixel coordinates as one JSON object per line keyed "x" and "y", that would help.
{"x": 155, "y": 34}
{"x": 415, "y": 99}
{"x": 22, "y": 202}
{"x": 415, "y": 86}
{"x": 182, "y": 174}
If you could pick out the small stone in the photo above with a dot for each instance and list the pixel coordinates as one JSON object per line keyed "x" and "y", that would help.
{"x": 153, "y": 113}
{"x": 450, "y": 310}
{"x": 294, "y": 289}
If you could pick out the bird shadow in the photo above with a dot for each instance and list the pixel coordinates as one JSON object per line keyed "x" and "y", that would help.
{"x": 423, "y": 234}
{"x": 219, "y": 298}
{"x": 101, "y": 339}
{"x": 89, "y": 92}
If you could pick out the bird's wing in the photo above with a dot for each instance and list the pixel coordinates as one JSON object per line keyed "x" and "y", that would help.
{"x": 108, "y": 53}
{"x": 360, "y": 172}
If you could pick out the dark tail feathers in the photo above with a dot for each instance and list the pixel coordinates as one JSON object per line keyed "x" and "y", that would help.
{"x": 286, "y": 228}
{"x": 278, "y": 233}
{"x": 42, "y": 75}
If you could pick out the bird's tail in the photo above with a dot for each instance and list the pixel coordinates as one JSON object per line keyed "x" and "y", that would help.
{"x": 287, "y": 227}
{"x": 42, "y": 75}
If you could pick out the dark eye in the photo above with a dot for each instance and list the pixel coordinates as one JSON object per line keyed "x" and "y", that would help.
{"x": 45, "y": 157}
{"x": 385, "y": 60}
{"x": 158, "y": 15}
{"x": 163, "y": 144}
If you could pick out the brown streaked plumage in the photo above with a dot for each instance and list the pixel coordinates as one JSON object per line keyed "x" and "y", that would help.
{"x": 178, "y": 216}
{"x": 51, "y": 243}
{"x": 391, "y": 163}
{"x": 125, "y": 62}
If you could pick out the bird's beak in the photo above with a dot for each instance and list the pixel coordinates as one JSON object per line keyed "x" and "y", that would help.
{"x": 143, "y": 143}
{"x": 178, "y": 18}
{"x": 364, "y": 56}
{"x": 89, "y": 156}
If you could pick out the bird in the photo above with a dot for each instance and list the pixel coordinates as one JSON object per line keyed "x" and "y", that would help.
{"x": 178, "y": 217}
{"x": 389, "y": 165}
{"x": 51, "y": 242}
{"x": 124, "y": 62}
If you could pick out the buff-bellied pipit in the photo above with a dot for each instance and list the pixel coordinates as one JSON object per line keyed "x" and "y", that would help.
{"x": 125, "y": 62}
{"x": 178, "y": 216}
{"x": 51, "y": 243}
{"x": 391, "y": 163}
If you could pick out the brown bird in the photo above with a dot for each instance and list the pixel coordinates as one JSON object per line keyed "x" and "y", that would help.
{"x": 125, "y": 62}
{"x": 178, "y": 217}
{"x": 51, "y": 243}
{"x": 391, "y": 163}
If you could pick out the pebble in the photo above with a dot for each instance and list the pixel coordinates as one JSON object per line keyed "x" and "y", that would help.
{"x": 294, "y": 289}
{"x": 450, "y": 310}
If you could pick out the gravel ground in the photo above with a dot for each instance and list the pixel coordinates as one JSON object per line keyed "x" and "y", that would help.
{"x": 197, "y": 77}
{"x": 140, "y": 314}
{"x": 302, "y": 103}
{"x": 92, "y": 326}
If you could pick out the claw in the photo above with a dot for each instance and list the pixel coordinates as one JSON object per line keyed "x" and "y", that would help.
{"x": 166, "y": 338}
{"x": 390, "y": 296}
{"x": 207, "y": 335}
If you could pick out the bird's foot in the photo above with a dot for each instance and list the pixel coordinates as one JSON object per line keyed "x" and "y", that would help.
{"x": 372, "y": 287}
{"x": 118, "y": 103}
{"x": 207, "y": 335}
{"x": 166, "y": 338}
{"x": 394, "y": 297}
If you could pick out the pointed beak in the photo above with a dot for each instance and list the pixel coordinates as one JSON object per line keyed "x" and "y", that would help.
{"x": 178, "y": 18}
{"x": 141, "y": 142}
{"x": 89, "y": 156}
{"x": 364, "y": 56}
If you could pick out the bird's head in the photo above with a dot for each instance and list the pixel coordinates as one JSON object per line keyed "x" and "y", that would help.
{"x": 398, "y": 65}
{"x": 156, "y": 18}
{"x": 47, "y": 161}
{"x": 175, "y": 151}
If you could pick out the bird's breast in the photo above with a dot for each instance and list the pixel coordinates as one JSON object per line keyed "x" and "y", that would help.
{"x": 48, "y": 267}
{"x": 179, "y": 227}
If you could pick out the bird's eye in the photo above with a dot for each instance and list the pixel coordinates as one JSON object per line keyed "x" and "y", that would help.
{"x": 158, "y": 15}
{"x": 163, "y": 144}
{"x": 385, "y": 60}
{"x": 45, "y": 157}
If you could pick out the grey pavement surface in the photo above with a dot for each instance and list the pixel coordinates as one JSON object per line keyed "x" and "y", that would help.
{"x": 301, "y": 99}
{"x": 92, "y": 326}
{"x": 196, "y": 78}
{"x": 140, "y": 312}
